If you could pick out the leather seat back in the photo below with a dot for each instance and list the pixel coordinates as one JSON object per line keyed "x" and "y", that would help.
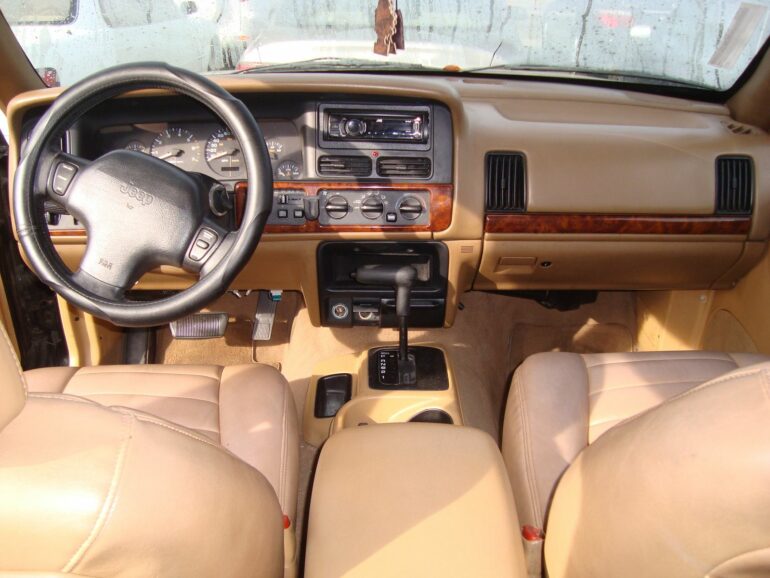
{"x": 98, "y": 491}
{"x": 680, "y": 490}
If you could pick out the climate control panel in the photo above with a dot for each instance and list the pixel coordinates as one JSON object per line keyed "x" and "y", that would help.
{"x": 373, "y": 207}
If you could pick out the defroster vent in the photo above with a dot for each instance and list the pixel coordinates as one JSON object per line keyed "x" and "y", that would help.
{"x": 735, "y": 185}
{"x": 506, "y": 183}
{"x": 345, "y": 166}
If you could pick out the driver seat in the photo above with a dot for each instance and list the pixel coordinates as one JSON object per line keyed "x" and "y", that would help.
{"x": 197, "y": 478}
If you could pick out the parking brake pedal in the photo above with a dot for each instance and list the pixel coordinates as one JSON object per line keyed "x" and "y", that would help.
{"x": 200, "y": 326}
{"x": 265, "y": 315}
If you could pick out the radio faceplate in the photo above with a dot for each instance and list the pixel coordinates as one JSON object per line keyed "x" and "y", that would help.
{"x": 373, "y": 126}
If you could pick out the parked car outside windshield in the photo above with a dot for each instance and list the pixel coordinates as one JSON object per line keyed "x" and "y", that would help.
{"x": 705, "y": 44}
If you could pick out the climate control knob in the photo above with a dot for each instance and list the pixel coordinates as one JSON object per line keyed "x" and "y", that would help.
{"x": 336, "y": 207}
{"x": 410, "y": 208}
{"x": 372, "y": 207}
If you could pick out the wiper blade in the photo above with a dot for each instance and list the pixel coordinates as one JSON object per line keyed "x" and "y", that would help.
{"x": 576, "y": 71}
{"x": 335, "y": 63}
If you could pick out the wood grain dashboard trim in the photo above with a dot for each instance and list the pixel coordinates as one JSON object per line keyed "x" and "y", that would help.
{"x": 556, "y": 223}
{"x": 440, "y": 206}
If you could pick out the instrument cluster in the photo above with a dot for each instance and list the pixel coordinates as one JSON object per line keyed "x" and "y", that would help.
{"x": 208, "y": 148}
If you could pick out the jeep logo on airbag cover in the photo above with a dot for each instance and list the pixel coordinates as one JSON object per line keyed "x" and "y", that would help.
{"x": 135, "y": 192}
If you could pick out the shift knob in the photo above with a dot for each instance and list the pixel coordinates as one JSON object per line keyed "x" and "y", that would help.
{"x": 402, "y": 277}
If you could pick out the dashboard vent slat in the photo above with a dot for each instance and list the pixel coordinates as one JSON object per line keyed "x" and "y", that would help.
{"x": 734, "y": 185}
{"x": 506, "y": 183}
{"x": 407, "y": 167}
{"x": 344, "y": 166}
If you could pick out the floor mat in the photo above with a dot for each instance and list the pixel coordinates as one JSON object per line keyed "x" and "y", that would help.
{"x": 587, "y": 338}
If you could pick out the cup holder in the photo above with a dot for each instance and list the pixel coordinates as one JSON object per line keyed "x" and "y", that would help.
{"x": 433, "y": 416}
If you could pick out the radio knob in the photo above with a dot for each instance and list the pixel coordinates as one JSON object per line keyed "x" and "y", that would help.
{"x": 355, "y": 127}
{"x": 336, "y": 207}
{"x": 410, "y": 208}
{"x": 372, "y": 207}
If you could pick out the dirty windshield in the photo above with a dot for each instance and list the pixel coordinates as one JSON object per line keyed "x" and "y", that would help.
{"x": 699, "y": 43}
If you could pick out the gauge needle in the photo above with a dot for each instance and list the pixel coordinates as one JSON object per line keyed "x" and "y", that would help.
{"x": 176, "y": 153}
{"x": 224, "y": 154}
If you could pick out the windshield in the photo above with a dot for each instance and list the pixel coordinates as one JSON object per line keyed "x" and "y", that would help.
{"x": 700, "y": 43}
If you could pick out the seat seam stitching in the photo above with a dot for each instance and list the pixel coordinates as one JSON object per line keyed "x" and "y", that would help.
{"x": 89, "y": 394}
{"x": 528, "y": 461}
{"x": 95, "y": 371}
{"x": 654, "y": 384}
{"x": 109, "y": 499}
{"x": 144, "y": 418}
{"x": 284, "y": 452}
{"x": 656, "y": 360}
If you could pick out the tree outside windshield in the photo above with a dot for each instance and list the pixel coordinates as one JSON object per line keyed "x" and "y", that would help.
{"x": 704, "y": 43}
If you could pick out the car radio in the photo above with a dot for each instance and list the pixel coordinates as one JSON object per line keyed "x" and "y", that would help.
{"x": 387, "y": 127}
{"x": 390, "y": 127}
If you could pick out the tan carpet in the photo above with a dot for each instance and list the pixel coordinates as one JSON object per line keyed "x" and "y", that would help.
{"x": 236, "y": 346}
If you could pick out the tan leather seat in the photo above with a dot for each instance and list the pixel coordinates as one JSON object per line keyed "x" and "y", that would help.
{"x": 109, "y": 491}
{"x": 661, "y": 473}
{"x": 248, "y": 409}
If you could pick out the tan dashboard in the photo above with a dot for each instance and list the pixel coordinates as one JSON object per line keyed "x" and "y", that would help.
{"x": 620, "y": 188}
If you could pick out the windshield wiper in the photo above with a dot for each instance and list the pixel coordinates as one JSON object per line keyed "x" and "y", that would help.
{"x": 627, "y": 77}
{"x": 334, "y": 63}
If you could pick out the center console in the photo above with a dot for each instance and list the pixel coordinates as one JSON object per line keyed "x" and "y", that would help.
{"x": 395, "y": 500}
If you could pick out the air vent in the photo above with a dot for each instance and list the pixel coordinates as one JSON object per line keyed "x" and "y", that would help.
{"x": 406, "y": 167}
{"x": 506, "y": 184}
{"x": 735, "y": 185}
{"x": 339, "y": 166}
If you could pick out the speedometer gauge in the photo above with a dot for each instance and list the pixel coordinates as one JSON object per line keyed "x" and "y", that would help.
{"x": 177, "y": 146}
{"x": 223, "y": 154}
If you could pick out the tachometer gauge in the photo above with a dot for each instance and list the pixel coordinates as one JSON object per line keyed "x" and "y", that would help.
{"x": 274, "y": 147}
{"x": 223, "y": 154}
{"x": 177, "y": 146}
{"x": 137, "y": 146}
{"x": 289, "y": 170}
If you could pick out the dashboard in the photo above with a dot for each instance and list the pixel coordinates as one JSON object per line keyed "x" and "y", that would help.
{"x": 528, "y": 185}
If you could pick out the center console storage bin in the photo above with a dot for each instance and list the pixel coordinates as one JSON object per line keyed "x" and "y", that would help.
{"x": 412, "y": 499}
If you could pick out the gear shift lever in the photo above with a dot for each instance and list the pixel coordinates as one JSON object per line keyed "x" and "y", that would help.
{"x": 402, "y": 278}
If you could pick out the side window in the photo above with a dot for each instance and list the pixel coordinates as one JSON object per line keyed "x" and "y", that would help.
{"x": 122, "y": 13}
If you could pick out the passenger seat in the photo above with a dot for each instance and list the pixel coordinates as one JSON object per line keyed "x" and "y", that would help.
{"x": 559, "y": 403}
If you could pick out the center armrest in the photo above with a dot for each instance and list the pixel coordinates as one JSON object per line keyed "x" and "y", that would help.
{"x": 412, "y": 499}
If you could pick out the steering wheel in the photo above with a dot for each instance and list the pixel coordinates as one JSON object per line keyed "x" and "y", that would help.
{"x": 139, "y": 212}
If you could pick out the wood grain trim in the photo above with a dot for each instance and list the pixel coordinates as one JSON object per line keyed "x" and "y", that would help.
{"x": 540, "y": 223}
{"x": 440, "y": 206}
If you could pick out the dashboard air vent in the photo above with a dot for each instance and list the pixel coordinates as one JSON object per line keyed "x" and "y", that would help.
{"x": 506, "y": 183}
{"x": 341, "y": 166}
{"x": 406, "y": 167}
{"x": 735, "y": 185}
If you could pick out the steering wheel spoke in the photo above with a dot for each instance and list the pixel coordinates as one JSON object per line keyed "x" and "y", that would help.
{"x": 59, "y": 173}
{"x": 208, "y": 246}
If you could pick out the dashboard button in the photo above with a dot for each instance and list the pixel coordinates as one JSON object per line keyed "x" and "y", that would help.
{"x": 391, "y": 217}
{"x": 299, "y": 214}
{"x": 283, "y": 214}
